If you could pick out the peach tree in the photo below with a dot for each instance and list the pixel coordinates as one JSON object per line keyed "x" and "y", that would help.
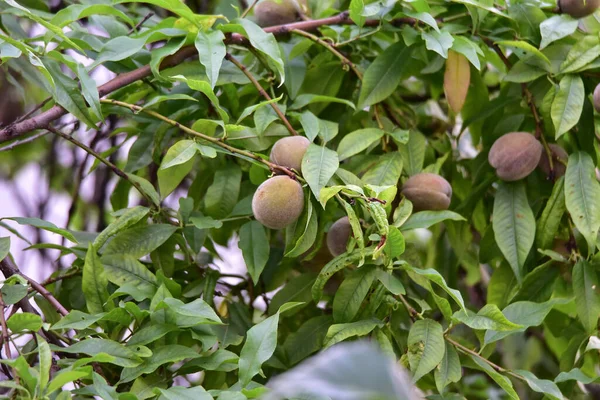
{"x": 224, "y": 192}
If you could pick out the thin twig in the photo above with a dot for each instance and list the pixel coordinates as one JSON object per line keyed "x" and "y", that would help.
{"x": 26, "y": 140}
{"x": 215, "y": 141}
{"x": 5, "y": 335}
{"x": 262, "y": 91}
{"x": 68, "y": 275}
{"x": 345, "y": 61}
{"x": 139, "y": 24}
{"x": 104, "y": 161}
{"x": 9, "y": 268}
{"x": 247, "y": 10}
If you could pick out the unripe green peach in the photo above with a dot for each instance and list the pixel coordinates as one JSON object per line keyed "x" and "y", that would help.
{"x": 278, "y": 12}
{"x": 597, "y": 98}
{"x": 559, "y": 159}
{"x": 278, "y": 202}
{"x": 288, "y": 152}
{"x": 578, "y": 8}
{"x": 515, "y": 155}
{"x": 428, "y": 191}
{"x": 338, "y": 236}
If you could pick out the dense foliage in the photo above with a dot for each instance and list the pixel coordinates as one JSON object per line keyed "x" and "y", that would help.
{"x": 433, "y": 190}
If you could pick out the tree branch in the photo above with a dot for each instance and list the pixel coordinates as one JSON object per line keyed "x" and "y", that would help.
{"x": 263, "y": 93}
{"x": 9, "y": 268}
{"x": 42, "y": 120}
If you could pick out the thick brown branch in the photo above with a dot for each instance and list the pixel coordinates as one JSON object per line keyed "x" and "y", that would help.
{"x": 42, "y": 120}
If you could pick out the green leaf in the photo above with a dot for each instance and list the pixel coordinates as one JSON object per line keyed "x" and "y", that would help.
{"x": 251, "y": 109}
{"x": 500, "y": 379}
{"x": 160, "y": 356}
{"x": 183, "y": 393}
{"x": 75, "y": 12}
{"x": 481, "y": 5}
{"x": 205, "y": 223}
{"x": 356, "y": 9}
{"x": 520, "y": 44}
{"x": 357, "y": 141}
{"x": 206, "y": 89}
{"x": 386, "y": 172}
{"x": 211, "y": 50}
{"x": 391, "y": 282}
{"x": 335, "y": 265}
{"x": 129, "y": 218}
{"x": 426, "y": 219}
{"x": 45, "y": 225}
{"x": 583, "y": 52}
{"x": 21, "y": 322}
{"x": 222, "y": 195}
{"x": 582, "y": 191}
{"x": 575, "y": 375}
{"x": 262, "y": 41}
{"x": 468, "y": 49}
{"x": 45, "y": 362}
{"x": 440, "y": 42}
{"x": 352, "y": 292}
{"x": 567, "y": 105}
{"x": 340, "y": 332}
{"x": 261, "y": 341}
{"x": 149, "y": 334}
{"x": 308, "y": 339}
{"x": 4, "y": 247}
{"x": 304, "y": 100}
{"x": 587, "y": 294}
{"x": 147, "y": 188}
{"x": 523, "y": 313}
{"x": 449, "y": 370}
{"x": 180, "y": 153}
{"x": 556, "y": 28}
{"x": 123, "y": 356}
{"x": 549, "y": 222}
{"x": 127, "y": 270}
{"x": 94, "y": 283}
{"x": 301, "y": 235}
{"x": 318, "y": 167}
{"x": 395, "y": 245}
{"x": 254, "y": 244}
{"x": 64, "y": 377}
{"x": 139, "y": 241}
{"x": 489, "y": 317}
{"x": 298, "y": 289}
{"x": 435, "y": 277}
{"x": 77, "y": 320}
{"x": 514, "y": 225}
{"x": 384, "y": 75}
{"x": 413, "y": 153}
{"x": 426, "y": 347}
{"x": 543, "y": 386}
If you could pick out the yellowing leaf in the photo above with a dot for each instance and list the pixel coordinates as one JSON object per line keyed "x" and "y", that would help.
{"x": 456, "y": 80}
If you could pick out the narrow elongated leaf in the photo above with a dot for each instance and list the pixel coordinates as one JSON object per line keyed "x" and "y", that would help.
{"x": 384, "y": 74}
{"x": 457, "y": 79}
{"x": 543, "y": 386}
{"x": 514, "y": 225}
{"x": 449, "y": 370}
{"x": 582, "y": 192}
{"x": 351, "y": 293}
{"x": 222, "y": 196}
{"x": 581, "y": 54}
{"x": 318, "y": 166}
{"x": 160, "y": 356}
{"x": 548, "y": 224}
{"x": 500, "y": 379}
{"x": 307, "y": 339}
{"x": 587, "y": 294}
{"x": 489, "y": 317}
{"x": 254, "y": 244}
{"x": 94, "y": 283}
{"x": 45, "y": 225}
{"x": 556, "y": 28}
{"x": 122, "y": 355}
{"x": 22, "y": 322}
{"x": 139, "y": 241}
{"x": 386, "y": 172}
{"x": 340, "y": 332}
{"x": 413, "y": 153}
{"x": 126, "y": 220}
{"x": 434, "y": 276}
{"x": 4, "y": 247}
{"x": 211, "y": 50}
{"x": 426, "y": 347}
{"x": 426, "y": 219}
{"x": 357, "y": 141}
{"x": 567, "y": 105}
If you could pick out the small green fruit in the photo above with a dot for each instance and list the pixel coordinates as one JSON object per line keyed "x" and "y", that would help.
{"x": 515, "y": 155}
{"x": 338, "y": 236}
{"x": 578, "y": 8}
{"x": 288, "y": 152}
{"x": 278, "y": 12}
{"x": 559, "y": 158}
{"x": 428, "y": 192}
{"x": 278, "y": 202}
